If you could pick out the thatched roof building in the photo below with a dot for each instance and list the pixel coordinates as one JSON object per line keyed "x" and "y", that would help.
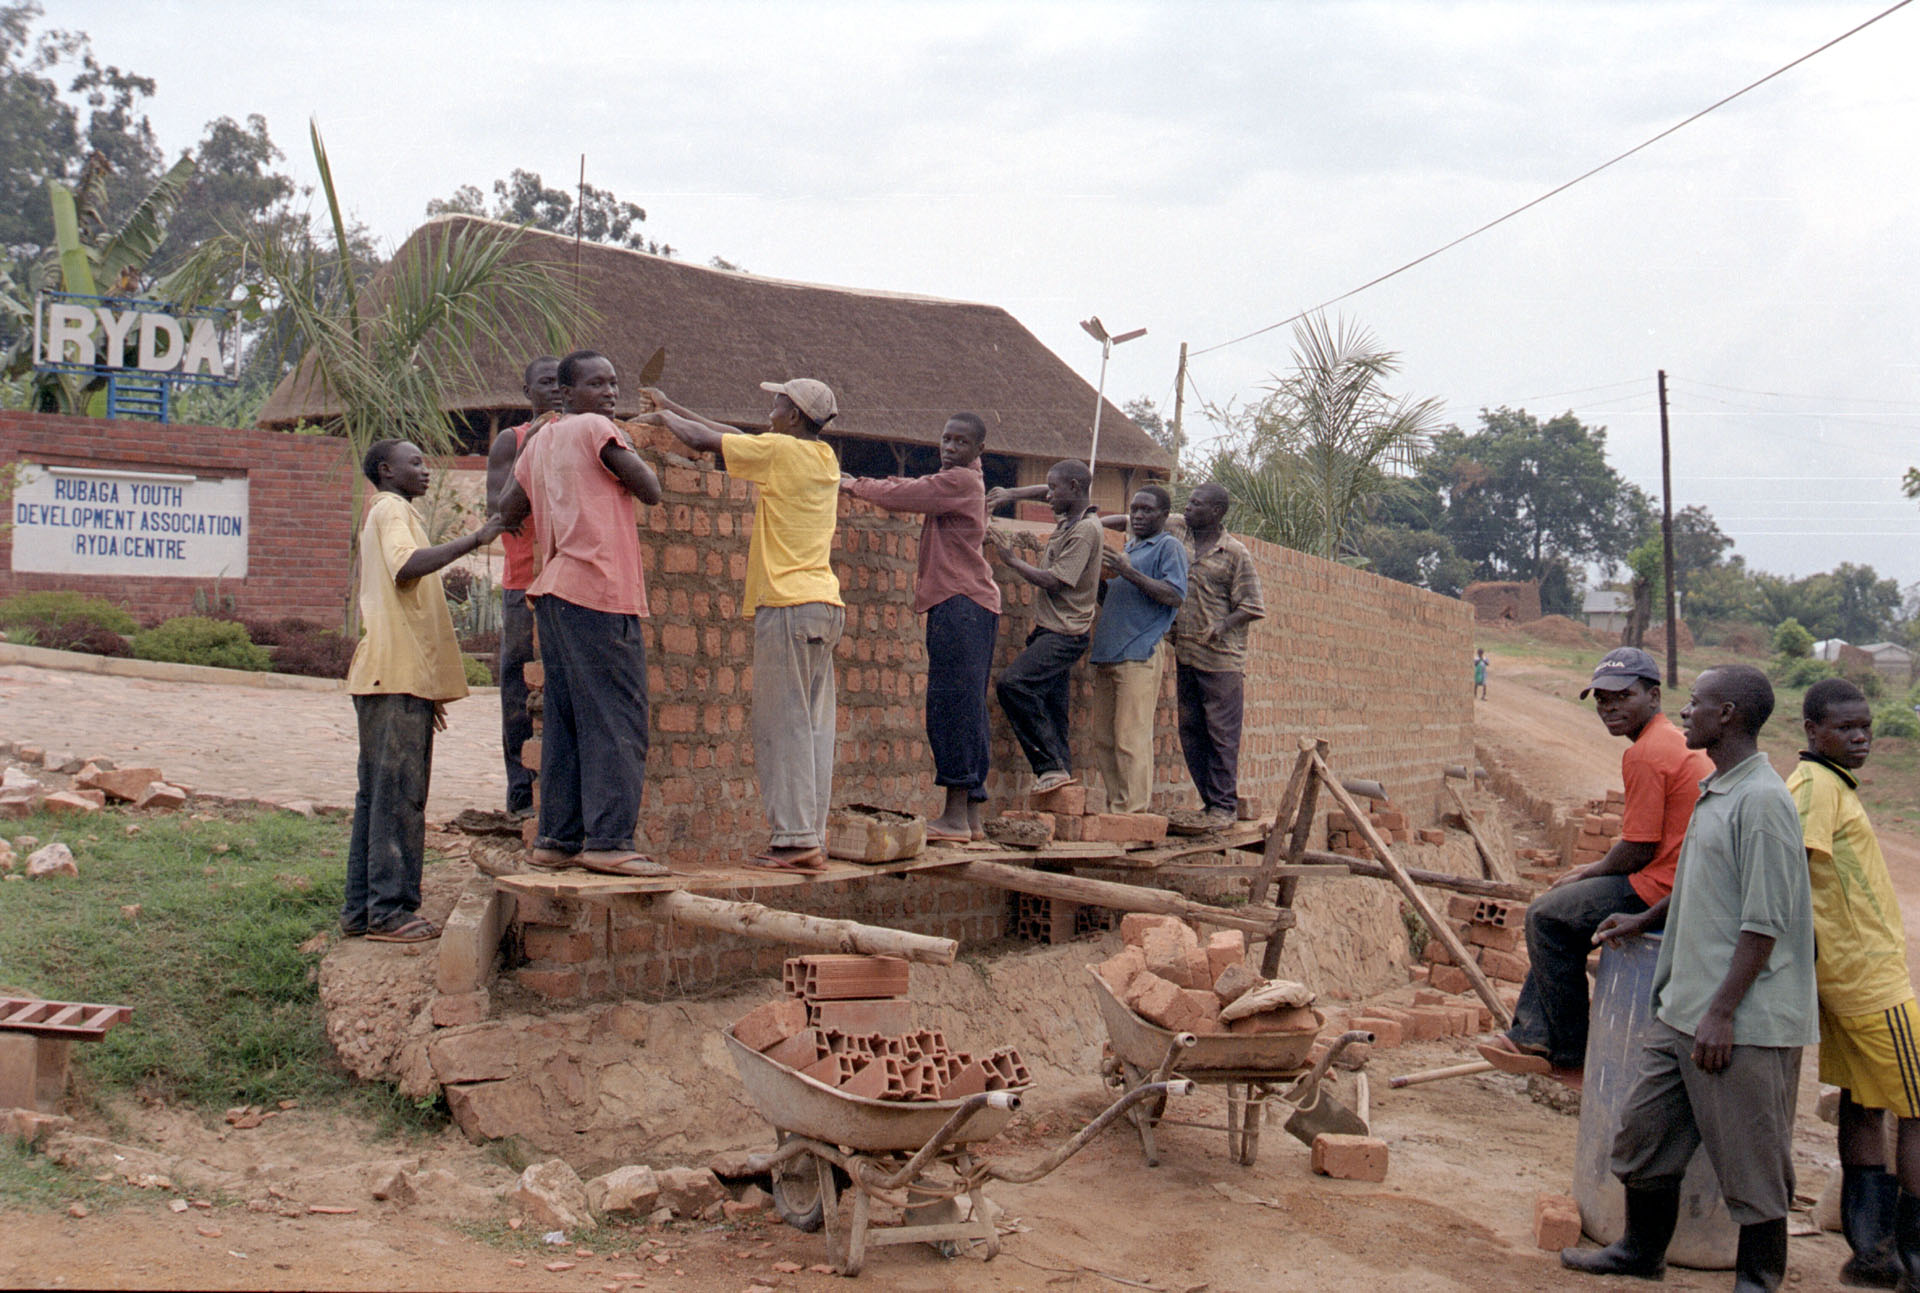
{"x": 898, "y": 364}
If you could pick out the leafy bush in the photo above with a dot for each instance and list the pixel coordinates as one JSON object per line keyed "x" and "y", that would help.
{"x": 1790, "y": 639}
{"x": 479, "y": 672}
{"x": 48, "y": 613}
{"x": 325, "y": 654}
{"x": 1896, "y": 719}
{"x": 273, "y": 633}
{"x": 1871, "y": 685}
{"x": 1803, "y": 671}
{"x": 190, "y": 639}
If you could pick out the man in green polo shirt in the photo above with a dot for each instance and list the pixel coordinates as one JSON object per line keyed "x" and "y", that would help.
{"x": 1733, "y": 1003}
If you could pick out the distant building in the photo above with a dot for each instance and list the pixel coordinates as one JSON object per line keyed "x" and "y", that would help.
{"x": 898, "y": 365}
{"x": 1606, "y": 610}
{"x": 1506, "y": 601}
{"x": 1891, "y": 661}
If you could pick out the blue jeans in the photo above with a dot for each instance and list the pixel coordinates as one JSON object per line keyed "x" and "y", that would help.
{"x": 593, "y": 749}
{"x": 960, "y": 638}
{"x": 389, "y": 843}
{"x": 1552, "y": 1011}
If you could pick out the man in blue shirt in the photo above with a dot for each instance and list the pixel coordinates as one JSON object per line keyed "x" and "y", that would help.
{"x": 1144, "y": 589}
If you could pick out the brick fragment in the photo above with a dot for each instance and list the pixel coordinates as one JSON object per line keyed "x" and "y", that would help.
{"x": 1118, "y": 971}
{"x": 460, "y": 1008}
{"x": 1157, "y": 1001}
{"x": 1235, "y": 982}
{"x": 800, "y": 1051}
{"x": 1556, "y": 1222}
{"x": 1171, "y": 952}
{"x": 530, "y": 753}
{"x": 159, "y": 797}
{"x": 71, "y": 803}
{"x": 1224, "y": 947}
{"x": 1450, "y": 978}
{"x": 1504, "y": 966}
{"x": 1350, "y": 1158}
{"x": 771, "y": 1024}
{"x": 1135, "y": 924}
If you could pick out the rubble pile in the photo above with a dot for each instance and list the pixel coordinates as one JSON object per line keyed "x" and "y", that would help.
{"x": 1168, "y": 977}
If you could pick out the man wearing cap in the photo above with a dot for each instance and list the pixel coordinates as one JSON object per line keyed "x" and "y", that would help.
{"x": 793, "y": 598}
{"x": 1662, "y": 778}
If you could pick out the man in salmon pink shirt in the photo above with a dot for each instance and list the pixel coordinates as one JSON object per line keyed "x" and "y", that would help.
{"x": 576, "y": 481}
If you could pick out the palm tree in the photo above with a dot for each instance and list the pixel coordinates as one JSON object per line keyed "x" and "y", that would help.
{"x": 388, "y": 349}
{"x": 1307, "y": 463}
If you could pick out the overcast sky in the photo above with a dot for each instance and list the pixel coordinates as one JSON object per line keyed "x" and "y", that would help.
{"x": 1204, "y": 170}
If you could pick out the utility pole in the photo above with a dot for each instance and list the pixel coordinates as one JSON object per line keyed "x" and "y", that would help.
{"x": 579, "y": 211}
{"x": 1179, "y": 404}
{"x": 1666, "y": 540}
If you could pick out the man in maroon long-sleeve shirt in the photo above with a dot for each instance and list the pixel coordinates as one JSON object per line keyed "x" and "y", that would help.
{"x": 955, "y": 589}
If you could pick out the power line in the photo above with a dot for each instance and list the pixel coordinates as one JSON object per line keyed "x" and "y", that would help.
{"x": 1785, "y": 395}
{"x": 1585, "y": 390}
{"x": 1555, "y": 192}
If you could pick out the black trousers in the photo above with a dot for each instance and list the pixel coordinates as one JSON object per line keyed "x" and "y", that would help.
{"x": 1210, "y": 707}
{"x": 1035, "y": 690}
{"x": 516, "y": 726}
{"x": 960, "y": 638}
{"x": 593, "y": 748}
{"x": 389, "y": 842}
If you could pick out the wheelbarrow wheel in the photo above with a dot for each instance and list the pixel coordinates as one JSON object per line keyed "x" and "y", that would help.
{"x": 796, "y": 1192}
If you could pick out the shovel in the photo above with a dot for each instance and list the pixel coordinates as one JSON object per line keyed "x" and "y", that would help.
{"x": 1315, "y": 1111}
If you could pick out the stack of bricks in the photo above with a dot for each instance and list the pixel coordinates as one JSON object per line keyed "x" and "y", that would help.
{"x": 1166, "y": 976}
{"x": 1495, "y": 931}
{"x": 1054, "y": 920}
{"x": 1539, "y": 866}
{"x": 1600, "y": 828}
{"x": 1077, "y": 815}
{"x": 846, "y": 1022}
{"x": 1390, "y": 823}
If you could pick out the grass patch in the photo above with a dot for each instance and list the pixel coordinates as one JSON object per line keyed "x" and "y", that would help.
{"x": 225, "y": 1007}
{"x": 31, "y": 1181}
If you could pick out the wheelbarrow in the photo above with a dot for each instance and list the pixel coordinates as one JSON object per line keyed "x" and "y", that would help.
{"x": 915, "y": 1156}
{"x": 1254, "y": 1068}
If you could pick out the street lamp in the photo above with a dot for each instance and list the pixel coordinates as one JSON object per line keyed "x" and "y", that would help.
{"x": 1098, "y": 331}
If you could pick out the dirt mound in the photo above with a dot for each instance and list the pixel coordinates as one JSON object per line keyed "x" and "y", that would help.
{"x": 1561, "y": 631}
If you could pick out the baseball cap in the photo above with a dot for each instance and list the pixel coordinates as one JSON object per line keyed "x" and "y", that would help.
{"x": 1619, "y": 667}
{"x": 813, "y": 398}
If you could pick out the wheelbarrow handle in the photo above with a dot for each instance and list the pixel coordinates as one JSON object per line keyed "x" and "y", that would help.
{"x": 948, "y": 1130}
{"x": 1306, "y": 1086}
{"x": 1146, "y": 1090}
{"x": 1177, "y": 1043}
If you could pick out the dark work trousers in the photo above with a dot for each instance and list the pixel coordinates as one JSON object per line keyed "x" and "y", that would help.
{"x": 1552, "y": 1010}
{"x": 593, "y": 748}
{"x": 1034, "y": 691}
{"x": 960, "y": 638}
{"x": 516, "y": 728}
{"x": 1210, "y": 706}
{"x": 389, "y": 843}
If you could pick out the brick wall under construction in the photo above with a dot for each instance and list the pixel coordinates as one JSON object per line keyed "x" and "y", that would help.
{"x": 1378, "y": 668}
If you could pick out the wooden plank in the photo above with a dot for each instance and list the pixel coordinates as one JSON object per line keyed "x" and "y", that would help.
{"x": 591, "y": 886}
{"x": 1312, "y": 751}
{"x": 1497, "y": 868}
{"x": 1200, "y": 871}
{"x": 1120, "y": 897}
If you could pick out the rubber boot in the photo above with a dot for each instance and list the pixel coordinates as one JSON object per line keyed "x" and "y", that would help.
{"x": 1906, "y": 1241}
{"x": 1868, "y": 1196}
{"x": 1761, "y": 1265}
{"x": 1642, "y": 1250}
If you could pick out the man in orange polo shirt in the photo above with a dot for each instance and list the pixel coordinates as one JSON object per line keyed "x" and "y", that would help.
{"x": 1633, "y": 881}
{"x": 541, "y": 385}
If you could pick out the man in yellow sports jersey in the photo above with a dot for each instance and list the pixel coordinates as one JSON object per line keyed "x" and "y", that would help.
{"x": 1869, "y": 1028}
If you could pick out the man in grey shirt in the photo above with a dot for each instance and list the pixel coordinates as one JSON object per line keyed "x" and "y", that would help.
{"x": 1733, "y": 1002}
{"x": 1034, "y": 690}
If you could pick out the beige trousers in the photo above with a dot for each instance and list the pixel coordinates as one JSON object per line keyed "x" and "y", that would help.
{"x": 1125, "y": 696}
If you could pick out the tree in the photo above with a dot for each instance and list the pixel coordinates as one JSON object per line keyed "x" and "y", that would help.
{"x": 392, "y": 358}
{"x": 1146, "y": 415}
{"x": 1868, "y": 605}
{"x": 1699, "y": 545}
{"x": 1518, "y": 494}
{"x": 1309, "y": 462}
{"x": 524, "y": 199}
{"x": 1791, "y": 639}
{"x": 234, "y": 185}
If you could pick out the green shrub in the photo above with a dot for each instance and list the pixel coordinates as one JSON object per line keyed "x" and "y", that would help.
{"x": 1896, "y": 719}
{"x": 479, "y": 672}
{"x": 1803, "y": 671}
{"x": 1871, "y": 685}
{"x": 190, "y": 639}
{"x": 1790, "y": 639}
{"x": 47, "y": 614}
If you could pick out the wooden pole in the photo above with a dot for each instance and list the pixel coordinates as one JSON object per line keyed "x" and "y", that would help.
{"x": 1119, "y": 897}
{"x": 1179, "y": 407}
{"x": 1432, "y": 879}
{"x": 1666, "y": 542}
{"x": 1435, "y": 1075}
{"x": 755, "y": 921}
{"x": 1298, "y": 830}
{"x": 1496, "y": 868}
{"x": 1439, "y": 928}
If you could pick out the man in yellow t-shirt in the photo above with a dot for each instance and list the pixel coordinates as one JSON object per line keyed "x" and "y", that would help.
{"x": 793, "y": 598}
{"x": 1869, "y": 1027}
{"x": 404, "y": 671}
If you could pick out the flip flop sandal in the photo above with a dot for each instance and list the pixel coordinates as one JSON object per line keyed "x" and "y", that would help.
{"x": 416, "y": 929}
{"x": 352, "y": 931}
{"x": 949, "y": 837}
{"x": 808, "y": 863}
{"x": 1053, "y": 781}
{"x": 1512, "y": 1061}
{"x": 613, "y": 862}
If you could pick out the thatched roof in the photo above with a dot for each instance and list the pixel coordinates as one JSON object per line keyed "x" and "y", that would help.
{"x": 898, "y": 364}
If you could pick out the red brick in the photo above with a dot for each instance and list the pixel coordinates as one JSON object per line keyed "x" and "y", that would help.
{"x": 1067, "y": 801}
{"x": 1556, "y": 1222}
{"x": 1135, "y": 924}
{"x": 1430, "y": 835}
{"x": 888, "y": 1015}
{"x": 1429, "y": 1023}
{"x": 1503, "y": 965}
{"x": 1124, "y": 828}
{"x": 1350, "y": 1158}
{"x": 566, "y": 947}
{"x": 1499, "y": 938}
{"x": 800, "y": 1051}
{"x": 1387, "y": 1033}
{"x": 530, "y": 753}
{"x": 1118, "y": 971}
{"x": 878, "y": 1079}
{"x": 535, "y": 674}
{"x": 1450, "y": 978}
{"x": 771, "y": 1024}
{"x": 1224, "y": 947}
{"x": 554, "y": 985}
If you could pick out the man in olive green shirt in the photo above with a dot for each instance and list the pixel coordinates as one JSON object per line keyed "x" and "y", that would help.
{"x": 1733, "y": 1003}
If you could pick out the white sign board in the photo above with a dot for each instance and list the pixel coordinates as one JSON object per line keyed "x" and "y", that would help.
{"x": 83, "y": 521}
